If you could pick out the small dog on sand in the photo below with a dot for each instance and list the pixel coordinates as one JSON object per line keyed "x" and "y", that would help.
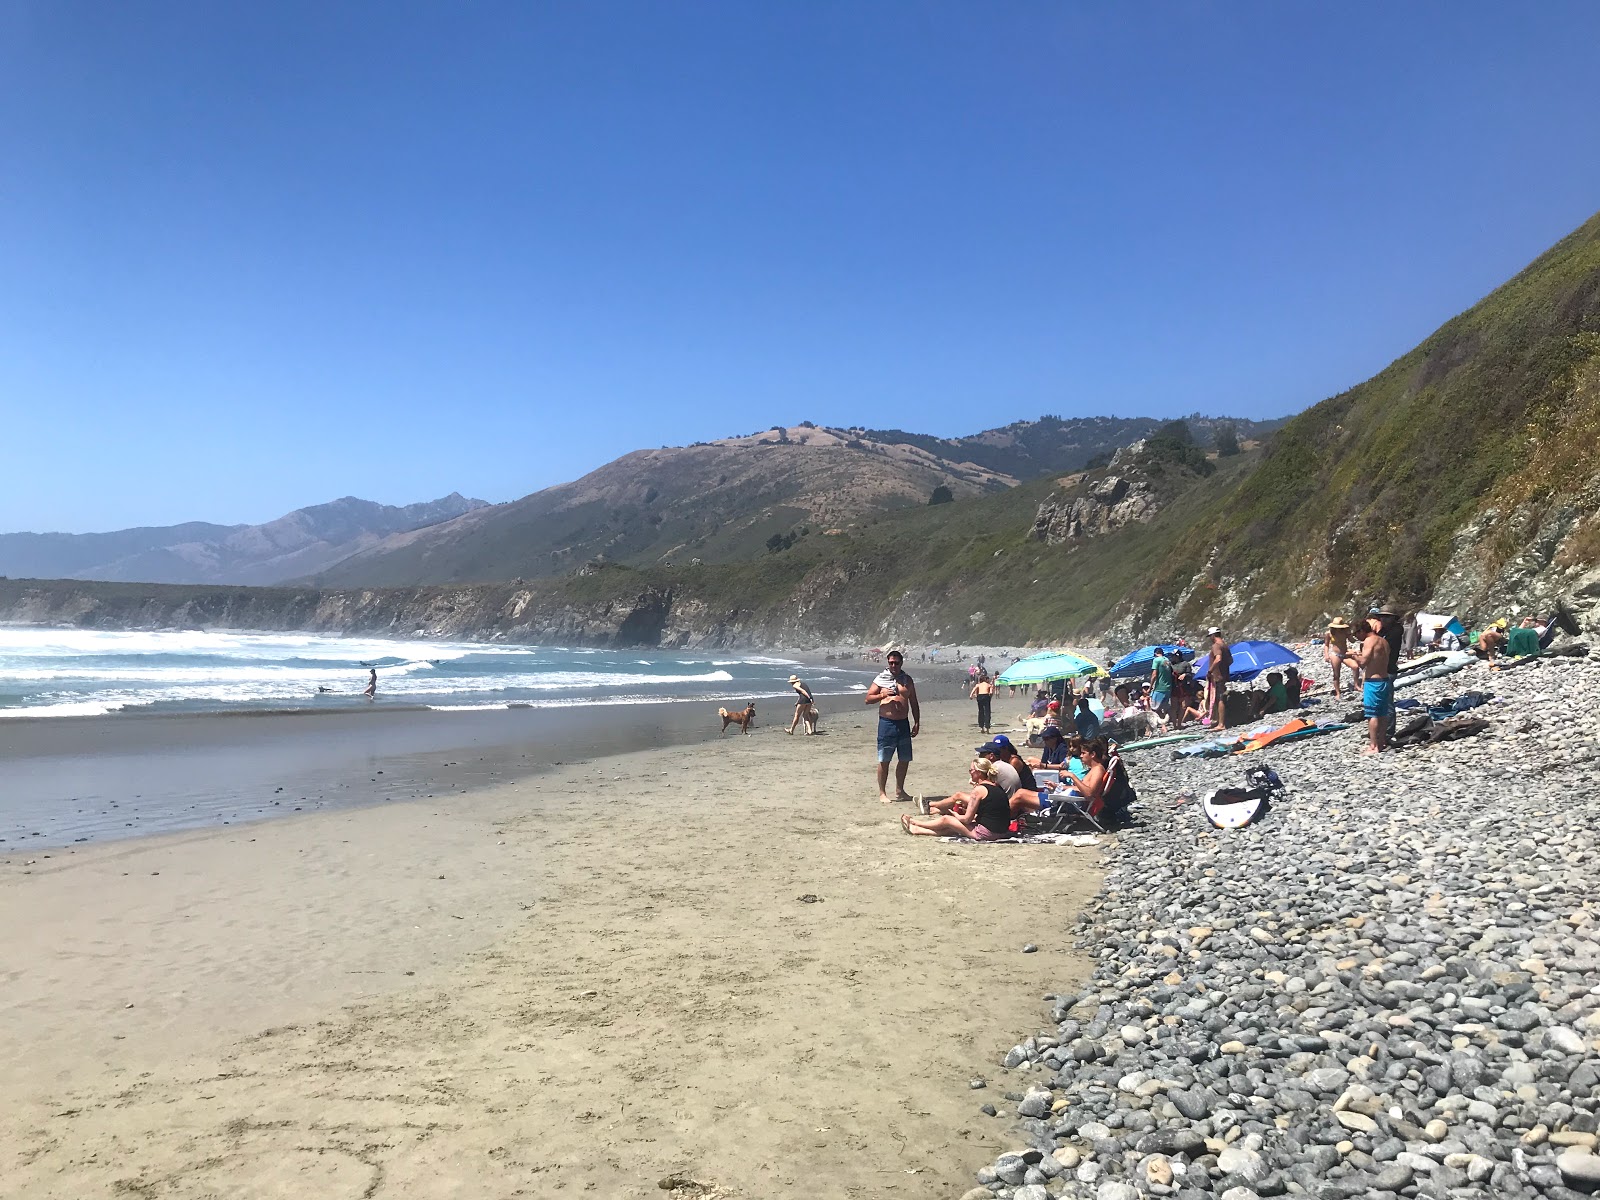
{"x": 808, "y": 718}
{"x": 743, "y": 719}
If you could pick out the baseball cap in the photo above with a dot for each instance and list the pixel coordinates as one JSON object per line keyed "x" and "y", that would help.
{"x": 1050, "y": 731}
{"x": 993, "y": 747}
{"x": 1213, "y": 632}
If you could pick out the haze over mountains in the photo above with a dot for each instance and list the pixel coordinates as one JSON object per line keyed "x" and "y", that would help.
{"x": 298, "y": 543}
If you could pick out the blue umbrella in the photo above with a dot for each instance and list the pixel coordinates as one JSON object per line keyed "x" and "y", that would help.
{"x": 1043, "y": 668}
{"x": 1252, "y": 658}
{"x": 1138, "y": 662}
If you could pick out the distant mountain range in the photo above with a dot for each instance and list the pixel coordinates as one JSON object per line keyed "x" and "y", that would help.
{"x": 711, "y": 502}
{"x": 299, "y": 543}
{"x": 736, "y": 498}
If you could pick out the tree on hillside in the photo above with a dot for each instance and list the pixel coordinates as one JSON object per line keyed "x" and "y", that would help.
{"x": 1173, "y": 443}
{"x": 941, "y": 495}
{"x": 1227, "y": 440}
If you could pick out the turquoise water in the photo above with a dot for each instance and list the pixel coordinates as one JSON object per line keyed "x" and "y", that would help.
{"x": 74, "y": 672}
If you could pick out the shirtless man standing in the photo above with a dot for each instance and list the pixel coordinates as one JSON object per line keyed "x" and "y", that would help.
{"x": 1377, "y": 693}
{"x": 1219, "y": 663}
{"x": 899, "y": 720}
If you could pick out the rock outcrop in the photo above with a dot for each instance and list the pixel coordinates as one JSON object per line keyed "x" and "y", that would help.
{"x": 1101, "y": 507}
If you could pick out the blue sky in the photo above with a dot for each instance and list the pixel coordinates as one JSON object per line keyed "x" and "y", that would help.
{"x": 259, "y": 256}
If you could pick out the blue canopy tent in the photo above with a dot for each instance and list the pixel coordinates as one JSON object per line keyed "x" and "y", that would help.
{"x": 1252, "y": 658}
{"x": 1138, "y": 661}
{"x": 1045, "y": 668}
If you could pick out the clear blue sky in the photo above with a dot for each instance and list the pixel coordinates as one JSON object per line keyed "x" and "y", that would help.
{"x": 254, "y": 256}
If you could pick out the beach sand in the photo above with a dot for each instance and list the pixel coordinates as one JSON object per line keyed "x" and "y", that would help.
{"x": 594, "y": 979}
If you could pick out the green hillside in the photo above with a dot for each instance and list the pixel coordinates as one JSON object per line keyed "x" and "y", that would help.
{"x": 1361, "y": 495}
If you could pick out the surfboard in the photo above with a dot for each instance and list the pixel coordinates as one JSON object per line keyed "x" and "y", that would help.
{"x": 1164, "y": 740}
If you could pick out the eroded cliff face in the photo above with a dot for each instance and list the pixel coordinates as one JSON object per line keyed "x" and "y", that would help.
{"x": 1103, "y": 507}
{"x": 822, "y": 609}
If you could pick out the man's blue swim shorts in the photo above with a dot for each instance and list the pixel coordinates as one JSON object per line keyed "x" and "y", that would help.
{"x": 894, "y": 737}
{"x": 1377, "y": 698}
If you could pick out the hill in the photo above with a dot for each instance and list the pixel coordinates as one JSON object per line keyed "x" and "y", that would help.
{"x": 736, "y": 498}
{"x": 197, "y": 552}
{"x": 1462, "y": 474}
{"x": 1056, "y": 446}
{"x": 715, "y": 501}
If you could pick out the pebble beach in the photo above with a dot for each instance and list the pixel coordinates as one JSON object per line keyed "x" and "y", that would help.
{"x": 1387, "y": 987}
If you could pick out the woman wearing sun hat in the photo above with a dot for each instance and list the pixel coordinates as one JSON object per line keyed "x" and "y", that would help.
{"x": 1335, "y": 647}
{"x": 802, "y": 700}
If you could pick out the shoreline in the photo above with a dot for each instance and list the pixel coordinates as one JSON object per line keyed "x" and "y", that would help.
{"x": 75, "y": 781}
{"x": 618, "y": 978}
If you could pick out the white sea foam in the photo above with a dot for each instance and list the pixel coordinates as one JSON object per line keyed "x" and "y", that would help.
{"x": 89, "y": 672}
{"x": 82, "y": 708}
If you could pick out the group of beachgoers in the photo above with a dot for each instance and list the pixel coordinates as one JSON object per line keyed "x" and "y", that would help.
{"x": 1006, "y": 787}
{"x": 1079, "y": 760}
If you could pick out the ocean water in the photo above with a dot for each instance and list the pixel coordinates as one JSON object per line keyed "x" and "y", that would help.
{"x": 74, "y": 672}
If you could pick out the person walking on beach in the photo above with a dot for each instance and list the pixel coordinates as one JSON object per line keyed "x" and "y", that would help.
{"x": 899, "y": 720}
{"x": 1377, "y": 693}
{"x": 802, "y": 701}
{"x": 1219, "y": 664}
{"x": 983, "y": 693}
{"x": 372, "y": 683}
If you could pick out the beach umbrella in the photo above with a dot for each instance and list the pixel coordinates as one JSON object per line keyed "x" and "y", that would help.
{"x": 1042, "y": 668}
{"x": 1138, "y": 662}
{"x": 1252, "y": 658}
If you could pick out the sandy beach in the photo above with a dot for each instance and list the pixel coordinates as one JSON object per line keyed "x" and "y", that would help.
{"x": 720, "y": 964}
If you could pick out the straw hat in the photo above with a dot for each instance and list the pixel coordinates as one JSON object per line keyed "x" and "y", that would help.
{"x": 794, "y": 679}
{"x": 1338, "y": 623}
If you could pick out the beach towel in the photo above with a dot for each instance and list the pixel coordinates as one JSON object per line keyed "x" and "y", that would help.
{"x": 1466, "y": 702}
{"x": 1274, "y": 735}
{"x": 1212, "y": 749}
{"x": 1522, "y": 642}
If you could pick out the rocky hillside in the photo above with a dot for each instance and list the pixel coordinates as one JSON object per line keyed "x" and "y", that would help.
{"x": 295, "y": 544}
{"x": 1464, "y": 474}
{"x": 1055, "y": 445}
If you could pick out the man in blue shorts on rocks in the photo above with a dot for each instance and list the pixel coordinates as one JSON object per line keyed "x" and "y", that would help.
{"x": 899, "y": 720}
{"x": 1377, "y": 693}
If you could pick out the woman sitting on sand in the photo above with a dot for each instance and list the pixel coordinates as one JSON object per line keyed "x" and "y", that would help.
{"x": 985, "y": 815}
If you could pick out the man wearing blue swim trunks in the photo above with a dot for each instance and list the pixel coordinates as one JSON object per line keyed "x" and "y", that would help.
{"x": 899, "y": 720}
{"x": 1377, "y": 693}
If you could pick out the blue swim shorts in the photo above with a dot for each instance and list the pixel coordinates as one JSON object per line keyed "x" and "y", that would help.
{"x": 1377, "y": 698}
{"x": 1158, "y": 700}
{"x": 894, "y": 737}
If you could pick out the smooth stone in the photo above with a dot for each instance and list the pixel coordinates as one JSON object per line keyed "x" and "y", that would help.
{"x": 1359, "y": 1122}
{"x": 1247, "y": 1164}
{"x": 1393, "y": 1177}
{"x": 1579, "y": 1169}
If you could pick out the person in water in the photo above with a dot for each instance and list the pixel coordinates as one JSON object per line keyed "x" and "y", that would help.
{"x": 372, "y": 684}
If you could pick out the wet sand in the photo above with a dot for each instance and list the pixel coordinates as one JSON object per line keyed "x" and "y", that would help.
{"x": 593, "y": 978}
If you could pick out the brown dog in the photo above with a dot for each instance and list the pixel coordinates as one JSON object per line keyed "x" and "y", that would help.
{"x": 743, "y": 719}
